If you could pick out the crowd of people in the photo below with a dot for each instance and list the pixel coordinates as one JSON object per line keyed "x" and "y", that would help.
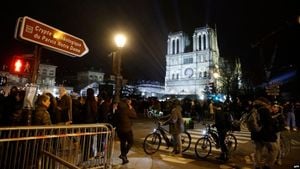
{"x": 68, "y": 109}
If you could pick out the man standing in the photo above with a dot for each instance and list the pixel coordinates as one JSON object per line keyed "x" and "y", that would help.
{"x": 223, "y": 124}
{"x": 123, "y": 117}
{"x": 64, "y": 106}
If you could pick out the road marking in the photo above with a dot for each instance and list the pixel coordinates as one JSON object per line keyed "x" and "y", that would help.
{"x": 176, "y": 159}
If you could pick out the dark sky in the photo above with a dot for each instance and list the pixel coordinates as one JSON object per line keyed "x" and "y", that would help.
{"x": 147, "y": 23}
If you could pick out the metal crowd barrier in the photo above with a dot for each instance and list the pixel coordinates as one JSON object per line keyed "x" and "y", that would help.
{"x": 57, "y": 147}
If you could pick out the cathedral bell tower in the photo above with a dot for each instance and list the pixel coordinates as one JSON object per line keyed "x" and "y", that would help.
{"x": 188, "y": 72}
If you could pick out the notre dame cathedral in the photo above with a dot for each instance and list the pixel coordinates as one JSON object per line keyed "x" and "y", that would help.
{"x": 190, "y": 67}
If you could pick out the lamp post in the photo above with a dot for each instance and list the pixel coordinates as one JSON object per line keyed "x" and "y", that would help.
{"x": 120, "y": 41}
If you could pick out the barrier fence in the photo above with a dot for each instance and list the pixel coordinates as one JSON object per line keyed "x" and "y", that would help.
{"x": 57, "y": 147}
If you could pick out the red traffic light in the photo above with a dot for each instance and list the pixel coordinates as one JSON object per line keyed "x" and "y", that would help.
{"x": 18, "y": 64}
{"x": 22, "y": 65}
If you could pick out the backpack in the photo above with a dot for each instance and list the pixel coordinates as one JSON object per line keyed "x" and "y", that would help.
{"x": 253, "y": 121}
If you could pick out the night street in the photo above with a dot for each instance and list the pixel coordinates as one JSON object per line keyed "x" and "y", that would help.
{"x": 241, "y": 158}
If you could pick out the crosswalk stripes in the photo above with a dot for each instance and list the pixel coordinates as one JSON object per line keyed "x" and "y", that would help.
{"x": 242, "y": 136}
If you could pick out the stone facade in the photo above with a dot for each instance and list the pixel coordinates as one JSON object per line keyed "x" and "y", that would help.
{"x": 188, "y": 72}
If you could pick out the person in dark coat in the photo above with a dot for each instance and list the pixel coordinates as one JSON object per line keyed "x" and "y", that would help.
{"x": 41, "y": 115}
{"x": 90, "y": 107}
{"x": 223, "y": 124}
{"x": 123, "y": 117}
{"x": 267, "y": 136}
{"x": 64, "y": 107}
{"x": 52, "y": 109}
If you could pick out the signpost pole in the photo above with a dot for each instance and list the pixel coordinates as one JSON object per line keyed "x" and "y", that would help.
{"x": 37, "y": 56}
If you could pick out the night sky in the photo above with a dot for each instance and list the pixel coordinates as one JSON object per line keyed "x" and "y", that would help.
{"x": 243, "y": 28}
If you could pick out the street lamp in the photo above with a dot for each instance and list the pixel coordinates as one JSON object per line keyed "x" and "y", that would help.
{"x": 120, "y": 41}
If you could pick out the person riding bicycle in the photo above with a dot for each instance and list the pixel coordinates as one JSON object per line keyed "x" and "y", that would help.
{"x": 223, "y": 124}
{"x": 176, "y": 126}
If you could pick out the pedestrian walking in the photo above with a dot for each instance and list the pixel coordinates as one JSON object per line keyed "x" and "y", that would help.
{"x": 123, "y": 118}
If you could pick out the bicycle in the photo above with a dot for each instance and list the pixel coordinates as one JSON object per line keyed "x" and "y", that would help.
{"x": 153, "y": 141}
{"x": 203, "y": 146}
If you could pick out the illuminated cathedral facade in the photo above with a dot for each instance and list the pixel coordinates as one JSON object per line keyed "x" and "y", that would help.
{"x": 191, "y": 64}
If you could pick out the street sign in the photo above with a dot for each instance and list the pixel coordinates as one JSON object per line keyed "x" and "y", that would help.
{"x": 54, "y": 39}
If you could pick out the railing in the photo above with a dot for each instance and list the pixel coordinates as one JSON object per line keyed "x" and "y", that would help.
{"x": 57, "y": 147}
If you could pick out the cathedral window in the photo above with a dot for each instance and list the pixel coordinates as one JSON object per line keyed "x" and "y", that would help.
{"x": 205, "y": 74}
{"x": 177, "y": 76}
{"x": 204, "y": 42}
{"x": 200, "y": 74}
{"x": 173, "y": 47}
{"x": 200, "y": 41}
{"x": 173, "y": 76}
{"x": 177, "y": 46}
{"x": 187, "y": 60}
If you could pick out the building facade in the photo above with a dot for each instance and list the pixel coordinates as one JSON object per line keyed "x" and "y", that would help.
{"x": 47, "y": 75}
{"x": 89, "y": 79}
{"x": 189, "y": 72}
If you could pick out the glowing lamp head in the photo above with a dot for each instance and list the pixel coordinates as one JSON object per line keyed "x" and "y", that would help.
{"x": 120, "y": 40}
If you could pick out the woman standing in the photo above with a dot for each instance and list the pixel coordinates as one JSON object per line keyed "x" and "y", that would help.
{"x": 176, "y": 125}
{"x": 41, "y": 115}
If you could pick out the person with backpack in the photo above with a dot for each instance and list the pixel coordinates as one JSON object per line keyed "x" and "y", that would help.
{"x": 263, "y": 133}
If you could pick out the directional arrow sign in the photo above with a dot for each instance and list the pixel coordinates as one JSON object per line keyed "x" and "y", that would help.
{"x": 37, "y": 32}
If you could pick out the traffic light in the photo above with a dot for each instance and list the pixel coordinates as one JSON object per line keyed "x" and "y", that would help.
{"x": 22, "y": 65}
{"x": 18, "y": 65}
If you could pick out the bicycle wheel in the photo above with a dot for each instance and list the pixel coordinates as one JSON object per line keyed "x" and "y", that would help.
{"x": 185, "y": 141}
{"x": 151, "y": 143}
{"x": 230, "y": 142}
{"x": 203, "y": 147}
